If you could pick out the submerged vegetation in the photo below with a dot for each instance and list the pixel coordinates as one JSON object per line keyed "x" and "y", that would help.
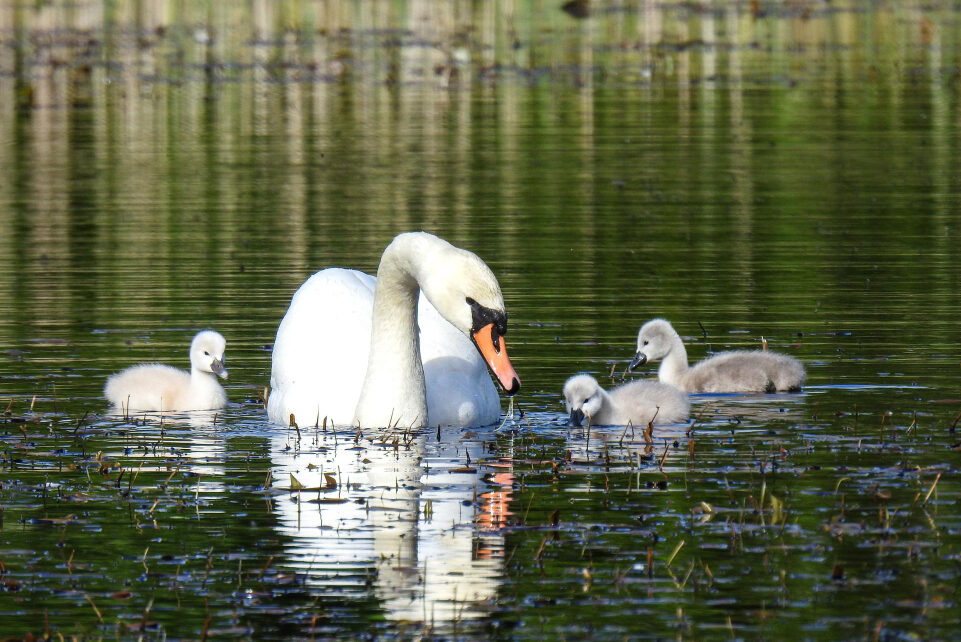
{"x": 221, "y": 527}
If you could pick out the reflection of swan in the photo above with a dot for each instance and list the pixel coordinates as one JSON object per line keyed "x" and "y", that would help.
{"x": 738, "y": 371}
{"x": 637, "y": 403}
{"x": 350, "y": 351}
{"x": 155, "y": 386}
{"x": 412, "y": 515}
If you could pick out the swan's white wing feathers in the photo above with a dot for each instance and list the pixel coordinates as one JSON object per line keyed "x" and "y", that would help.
{"x": 320, "y": 354}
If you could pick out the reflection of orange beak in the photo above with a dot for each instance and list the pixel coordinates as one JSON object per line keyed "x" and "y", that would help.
{"x": 494, "y": 350}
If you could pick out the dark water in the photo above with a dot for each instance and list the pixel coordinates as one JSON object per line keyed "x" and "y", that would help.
{"x": 787, "y": 171}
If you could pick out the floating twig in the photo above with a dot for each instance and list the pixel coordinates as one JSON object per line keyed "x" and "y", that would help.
{"x": 660, "y": 464}
{"x": 540, "y": 550}
{"x": 677, "y": 548}
{"x": 293, "y": 424}
{"x": 954, "y": 425}
{"x": 528, "y": 509}
{"x": 931, "y": 490}
{"x": 914, "y": 423}
{"x": 270, "y": 561}
{"x": 146, "y": 613}
{"x": 264, "y": 395}
{"x": 203, "y": 634}
{"x": 630, "y": 426}
{"x": 838, "y": 485}
{"x": 95, "y": 609}
{"x": 688, "y": 576}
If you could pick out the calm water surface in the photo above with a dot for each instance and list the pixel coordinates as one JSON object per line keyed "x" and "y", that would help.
{"x": 786, "y": 171}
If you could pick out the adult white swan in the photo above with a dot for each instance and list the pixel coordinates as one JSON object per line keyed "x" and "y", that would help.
{"x": 349, "y": 349}
{"x": 734, "y": 371}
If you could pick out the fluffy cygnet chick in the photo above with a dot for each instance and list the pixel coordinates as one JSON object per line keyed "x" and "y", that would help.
{"x": 637, "y": 402}
{"x": 734, "y": 371}
{"x": 155, "y": 386}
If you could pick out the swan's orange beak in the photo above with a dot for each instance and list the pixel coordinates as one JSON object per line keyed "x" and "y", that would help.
{"x": 494, "y": 350}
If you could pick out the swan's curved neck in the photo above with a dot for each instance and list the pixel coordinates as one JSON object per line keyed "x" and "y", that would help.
{"x": 197, "y": 375}
{"x": 607, "y": 404}
{"x": 674, "y": 364}
{"x": 394, "y": 391}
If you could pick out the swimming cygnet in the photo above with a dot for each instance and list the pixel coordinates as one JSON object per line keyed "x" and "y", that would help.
{"x": 736, "y": 371}
{"x": 637, "y": 402}
{"x": 155, "y": 386}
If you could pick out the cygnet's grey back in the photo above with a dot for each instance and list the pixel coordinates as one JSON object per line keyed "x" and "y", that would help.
{"x": 644, "y": 400}
{"x": 746, "y": 371}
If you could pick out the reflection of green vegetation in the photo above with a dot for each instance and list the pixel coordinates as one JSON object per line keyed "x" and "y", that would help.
{"x": 132, "y": 531}
{"x": 747, "y": 533}
{"x": 213, "y": 157}
{"x": 791, "y": 172}
{"x": 789, "y": 523}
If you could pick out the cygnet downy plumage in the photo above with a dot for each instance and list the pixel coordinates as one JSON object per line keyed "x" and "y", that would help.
{"x": 638, "y": 402}
{"x": 155, "y": 386}
{"x": 734, "y": 371}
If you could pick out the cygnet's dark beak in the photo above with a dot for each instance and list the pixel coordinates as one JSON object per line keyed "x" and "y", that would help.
{"x": 639, "y": 360}
{"x": 577, "y": 417}
{"x": 217, "y": 367}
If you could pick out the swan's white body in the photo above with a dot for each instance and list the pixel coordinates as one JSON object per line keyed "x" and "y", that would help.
{"x": 349, "y": 350}
{"x": 734, "y": 371}
{"x": 638, "y": 402}
{"x": 159, "y": 387}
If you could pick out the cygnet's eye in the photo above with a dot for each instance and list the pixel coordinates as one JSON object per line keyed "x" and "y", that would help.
{"x": 645, "y": 342}
{"x": 206, "y": 354}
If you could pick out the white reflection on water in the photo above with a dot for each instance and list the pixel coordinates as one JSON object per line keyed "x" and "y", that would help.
{"x": 416, "y": 520}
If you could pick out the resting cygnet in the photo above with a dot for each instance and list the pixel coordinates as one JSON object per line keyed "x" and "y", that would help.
{"x": 637, "y": 403}
{"x": 737, "y": 371}
{"x": 155, "y": 386}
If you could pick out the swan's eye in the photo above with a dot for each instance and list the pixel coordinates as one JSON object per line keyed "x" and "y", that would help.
{"x": 645, "y": 342}
{"x": 495, "y": 339}
{"x": 206, "y": 354}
